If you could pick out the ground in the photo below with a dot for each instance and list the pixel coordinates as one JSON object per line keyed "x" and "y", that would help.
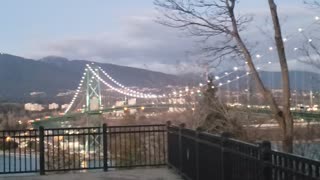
{"x": 132, "y": 174}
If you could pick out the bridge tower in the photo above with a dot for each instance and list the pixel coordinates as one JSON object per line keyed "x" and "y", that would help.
{"x": 93, "y": 90}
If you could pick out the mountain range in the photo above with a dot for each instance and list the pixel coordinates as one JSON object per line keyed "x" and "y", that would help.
{"x": 49, "y": 76}
{"x": 52, "y": 75}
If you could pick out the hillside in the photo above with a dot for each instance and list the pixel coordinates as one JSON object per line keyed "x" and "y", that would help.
{"x": 52, "y": 75}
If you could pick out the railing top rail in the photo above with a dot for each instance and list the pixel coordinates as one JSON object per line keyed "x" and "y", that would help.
{"x": 145, "y": 125}
{"x": 72, "y": 128}
{"x": 295, "y": 157}
{"x": 243, "y": 142}
{"x": 15, "y": 131}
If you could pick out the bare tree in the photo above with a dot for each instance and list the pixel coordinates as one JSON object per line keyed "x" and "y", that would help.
{"x": 216, "y": 19}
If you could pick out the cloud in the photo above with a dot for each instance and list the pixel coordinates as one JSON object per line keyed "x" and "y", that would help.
{"x": 141, "y": 42}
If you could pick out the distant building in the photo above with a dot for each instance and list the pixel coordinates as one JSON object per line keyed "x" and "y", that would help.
{"x": 120, "y": 103}
{"x": 64, "y": 106}
{"x": 132, "y": 101}
{"x": 53, "y": 106}
{"x": 177, "y": 101}
{"x": 33, "y": 107}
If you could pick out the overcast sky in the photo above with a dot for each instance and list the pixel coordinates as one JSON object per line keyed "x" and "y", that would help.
{"x": 124, "y": 32}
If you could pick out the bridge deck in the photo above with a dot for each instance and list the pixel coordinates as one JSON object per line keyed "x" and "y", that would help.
{"x": 132, "y": 174}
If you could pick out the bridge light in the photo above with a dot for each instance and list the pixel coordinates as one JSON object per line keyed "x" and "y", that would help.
{"x": 270, "y": 48}
{"x": 300, "y": 29}
{"x": 216, "y": 77}
{"x": 142, "y": 107}
{"x": 317, "y": 18}
{"x": 235, "y": 68}
{"x": 125, "y": 108}
{"x": 8, "y": 139}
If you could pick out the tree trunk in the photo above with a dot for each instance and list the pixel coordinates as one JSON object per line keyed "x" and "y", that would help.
{"x": 287, "y": 125}
{"x": 283, "y": 116}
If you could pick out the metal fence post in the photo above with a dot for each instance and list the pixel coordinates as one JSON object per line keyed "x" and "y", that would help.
{"x": 197, "y": 153}
{"x": 105, "y": 147}
{"x": 41, "y": 150}
{"x": 226, "y": 168}
{"x": 181, "y": 126}
{"x": 168, "y": 124}
{"x": 265, "y": 149}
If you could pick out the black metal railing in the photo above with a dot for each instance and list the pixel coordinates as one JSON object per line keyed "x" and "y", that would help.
{"x": 132, "y": 146}
{"x": 201, "y": 156}
{"x": 195, "y": 155}
{"x": 69, "y": 149}
{"x": 19, "y": 151}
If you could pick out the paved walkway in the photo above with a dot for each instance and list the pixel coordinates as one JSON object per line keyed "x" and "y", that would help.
{"x": 133, "y": 174}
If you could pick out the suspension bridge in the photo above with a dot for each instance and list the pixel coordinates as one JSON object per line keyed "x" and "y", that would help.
{"x": 90, "y": 103}
{"x": 93, "y": 98}
{"x": 97, "y": 88}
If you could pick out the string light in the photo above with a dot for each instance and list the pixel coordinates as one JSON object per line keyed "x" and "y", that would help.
{"x": 137, "y": 94}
